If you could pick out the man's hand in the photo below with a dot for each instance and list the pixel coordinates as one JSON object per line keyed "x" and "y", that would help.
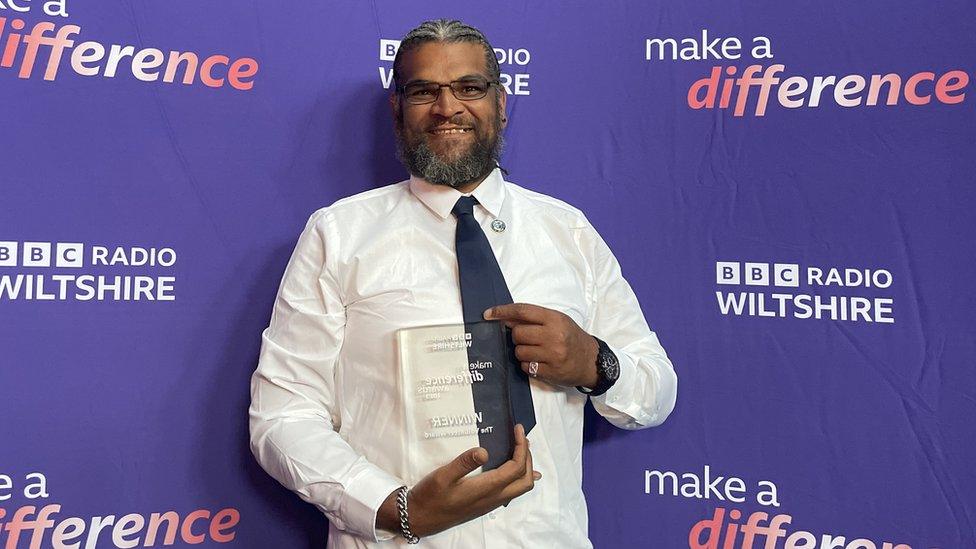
{"x": 446, "y": 498}
{"x": 566, "y": 355}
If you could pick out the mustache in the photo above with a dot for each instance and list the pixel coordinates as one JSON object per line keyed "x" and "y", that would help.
{"x": 455, "y": 122}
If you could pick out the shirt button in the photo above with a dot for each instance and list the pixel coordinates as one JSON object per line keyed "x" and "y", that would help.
{"x": 492, "y": 516}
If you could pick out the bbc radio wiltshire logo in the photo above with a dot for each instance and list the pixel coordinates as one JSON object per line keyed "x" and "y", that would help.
{"x": 46, "y": 44}
{"x": 750, "y": 90}
{"x": 76, "y": 271}
{"x": 793, "y": 291}
{"x": 513, "y": 62}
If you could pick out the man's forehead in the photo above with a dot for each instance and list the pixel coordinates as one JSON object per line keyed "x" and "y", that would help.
{"x": 444, "y": 61}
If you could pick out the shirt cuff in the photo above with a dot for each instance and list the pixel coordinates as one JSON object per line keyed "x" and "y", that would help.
{"x": 361, "y": 501}
{"x": 618, "y": 397}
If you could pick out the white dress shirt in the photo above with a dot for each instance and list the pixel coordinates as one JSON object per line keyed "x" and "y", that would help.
{"x": 324, "y": 416}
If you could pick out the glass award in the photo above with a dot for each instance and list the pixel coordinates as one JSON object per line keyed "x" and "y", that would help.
{"x": 453, "y": 386}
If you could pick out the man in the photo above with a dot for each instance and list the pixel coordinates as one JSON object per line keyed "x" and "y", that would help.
{"x": 324, "y": 415}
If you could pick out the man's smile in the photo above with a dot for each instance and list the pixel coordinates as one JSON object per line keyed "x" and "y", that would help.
{"x": 450, "y": 130}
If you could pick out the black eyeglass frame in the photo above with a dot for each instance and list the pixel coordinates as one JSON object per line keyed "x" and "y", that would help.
{"x": 435, "y": 97}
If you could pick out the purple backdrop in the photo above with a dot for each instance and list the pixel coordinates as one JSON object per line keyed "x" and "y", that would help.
{"x": 864, "y": 428}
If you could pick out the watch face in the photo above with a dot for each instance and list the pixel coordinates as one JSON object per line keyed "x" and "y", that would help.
{"x": 612, "y": 368}
{"x": 609, "y": 365}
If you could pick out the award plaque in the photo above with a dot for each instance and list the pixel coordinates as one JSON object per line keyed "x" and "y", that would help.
{"x": 453, "y": 386}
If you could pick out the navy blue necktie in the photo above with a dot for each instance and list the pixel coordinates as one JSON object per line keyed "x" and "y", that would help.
{"x": 483, "y": 286}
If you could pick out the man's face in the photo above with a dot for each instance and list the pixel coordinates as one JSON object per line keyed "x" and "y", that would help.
{"x": 448, "y": 142}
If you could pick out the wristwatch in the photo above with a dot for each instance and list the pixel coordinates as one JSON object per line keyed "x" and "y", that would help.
{"x": 607, "y": 370}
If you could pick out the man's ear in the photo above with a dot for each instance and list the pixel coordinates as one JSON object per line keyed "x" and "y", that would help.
{"x": 503, "y": 97}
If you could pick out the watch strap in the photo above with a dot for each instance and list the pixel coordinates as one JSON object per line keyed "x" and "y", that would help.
{"x": 604, "y": 357}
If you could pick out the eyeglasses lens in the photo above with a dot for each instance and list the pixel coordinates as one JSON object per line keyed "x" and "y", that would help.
{"x": 468, "y": 89}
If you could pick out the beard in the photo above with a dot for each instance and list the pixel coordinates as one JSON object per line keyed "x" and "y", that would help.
{"x": 480, "y": 158}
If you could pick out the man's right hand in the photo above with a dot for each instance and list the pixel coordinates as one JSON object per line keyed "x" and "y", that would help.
{"x": 446, "y": 497}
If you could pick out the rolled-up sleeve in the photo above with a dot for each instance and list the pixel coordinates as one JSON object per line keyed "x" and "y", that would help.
{"x": 644, "y": 394}
{"x": 293, "y": 415}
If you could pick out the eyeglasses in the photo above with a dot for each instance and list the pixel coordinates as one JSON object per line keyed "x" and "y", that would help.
{"x": 466, "y": 89}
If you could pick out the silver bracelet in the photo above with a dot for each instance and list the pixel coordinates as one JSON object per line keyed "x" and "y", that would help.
{"x": 401, "y": 503}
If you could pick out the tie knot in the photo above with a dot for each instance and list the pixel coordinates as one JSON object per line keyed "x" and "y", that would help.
{"x": 464, "y": 205}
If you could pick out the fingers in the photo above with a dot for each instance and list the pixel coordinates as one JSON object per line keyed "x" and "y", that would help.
{"x": 531, "y": 353}
{"x": 515, "y": 467}
{"x": 529, "y": 476}
{"x": 521, "y": 312}
{"x": 466, "y": 462}
{"x": 525, "y": 481}
{"x": 529, "y": 334}
{"x": 521, "y": 445}
{"x": 514, "y": 478}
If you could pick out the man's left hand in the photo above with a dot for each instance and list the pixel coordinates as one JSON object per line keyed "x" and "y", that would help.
{"x": 550, "y": 345}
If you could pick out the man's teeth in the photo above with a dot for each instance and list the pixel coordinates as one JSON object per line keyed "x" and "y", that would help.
{"x": 453, "y": 130}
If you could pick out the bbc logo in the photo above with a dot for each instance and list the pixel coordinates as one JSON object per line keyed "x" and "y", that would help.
{"x": 39, "y": 254}
{"x": 388, "y": 49}
{"x": 757, "y": 274}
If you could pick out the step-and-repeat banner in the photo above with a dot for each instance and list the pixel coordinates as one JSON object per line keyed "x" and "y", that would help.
{"x": 788, "y": 187}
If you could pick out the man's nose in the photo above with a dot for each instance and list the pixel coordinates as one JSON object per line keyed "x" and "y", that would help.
{"x": 446, "y": 104}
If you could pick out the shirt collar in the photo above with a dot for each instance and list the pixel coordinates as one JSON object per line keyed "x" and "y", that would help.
{"x": 441, "y": 198}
